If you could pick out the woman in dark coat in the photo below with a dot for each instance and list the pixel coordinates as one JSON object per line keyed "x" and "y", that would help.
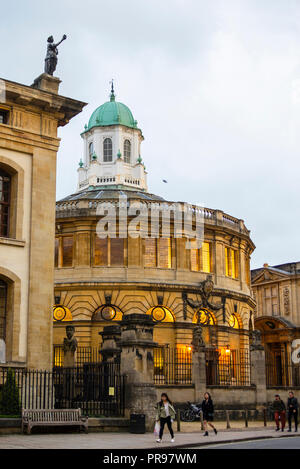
{"x": 208, "y": 413}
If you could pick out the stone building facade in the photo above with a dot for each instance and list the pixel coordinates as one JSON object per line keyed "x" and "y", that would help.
{"x": 100, "y": 281}
{"x": 276, "y": 290}
{"x": 29, "y": 119}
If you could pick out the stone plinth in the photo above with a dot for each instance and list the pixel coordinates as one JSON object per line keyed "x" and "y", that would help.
{"x": 110, "y": 350}
{"x": 137, "y": 364}
{"x": 47, "y": 82}
{"x": 258, "y": 374}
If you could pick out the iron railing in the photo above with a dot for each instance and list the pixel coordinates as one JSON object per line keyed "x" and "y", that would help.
{"x": 172, "y": 365}
{"x": 282, "y": 375}
{"x": 98, "y": 389}
{"x": 83, "y": 355}
{"x": 228, "y": 367}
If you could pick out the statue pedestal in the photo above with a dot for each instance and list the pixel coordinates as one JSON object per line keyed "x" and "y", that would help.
{"x": 110, "y": 350}
{"x": 137, "y": 364}
{"x": 47, "y": 82}
{"x": 69, "y": 359}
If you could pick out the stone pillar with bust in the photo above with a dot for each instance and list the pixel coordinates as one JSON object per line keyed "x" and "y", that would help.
{"x": 69, "y": 380}
{"x": 258, "y": 368}
{"x": 70, "y": 347}
{"x": 137, "y": 364}
{"x": 198, "y": 363}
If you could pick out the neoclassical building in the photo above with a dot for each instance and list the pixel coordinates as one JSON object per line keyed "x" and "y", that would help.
{"x": 98, "y": 280}
{"x": 29, "y": 121}
{"x": 276, "y": 290}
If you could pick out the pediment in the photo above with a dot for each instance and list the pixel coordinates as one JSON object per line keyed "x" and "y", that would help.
{"x": 269, "y": 275}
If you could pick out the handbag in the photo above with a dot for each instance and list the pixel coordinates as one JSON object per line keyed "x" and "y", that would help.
{"x": 156, "y": 428}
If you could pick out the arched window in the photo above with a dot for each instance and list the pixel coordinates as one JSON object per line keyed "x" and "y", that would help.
{"x": 3, "y": 301}
{"x": 61, "y": 313}
{"x": 91, "y": 150}
{"x": 204, "y": 317}
{"x": 127, "y": 151}
{"x": 5, "y": 185}
{"x": 234, "y": 321}
{"x": 107, "y": 150}
{"x": 107, "y": 313}
{"x": 161, "y": 314}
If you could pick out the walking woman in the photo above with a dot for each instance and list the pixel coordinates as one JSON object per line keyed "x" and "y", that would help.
{"x": 165, "y": 415}
{"x": 208, "y": 413}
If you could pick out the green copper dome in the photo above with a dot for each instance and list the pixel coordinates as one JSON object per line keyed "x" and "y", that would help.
{"x": 112, "y": 113}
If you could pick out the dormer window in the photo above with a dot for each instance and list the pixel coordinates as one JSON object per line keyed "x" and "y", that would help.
{"x": 91, "y": 150}
{"x": 127, "y": 151}
{"x": 107, "y": 150}
{"x": 4, "y": 116}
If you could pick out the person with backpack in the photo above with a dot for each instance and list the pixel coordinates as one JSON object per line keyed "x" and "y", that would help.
{"x": 292, "y": 406}
{"x": 165, "y": 415}
{"x": 208, "y": 413}
{"x": 278, "y": 408}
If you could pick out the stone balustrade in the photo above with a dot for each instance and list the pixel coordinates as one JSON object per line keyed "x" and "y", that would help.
{"x": 64, "y": 209}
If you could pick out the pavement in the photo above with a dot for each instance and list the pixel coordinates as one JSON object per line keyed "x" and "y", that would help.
{"x": 123, "y": 440}
{"x": 266, "y": 443}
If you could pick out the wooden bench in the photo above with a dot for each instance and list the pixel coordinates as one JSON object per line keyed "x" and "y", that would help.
{"x": 53, "y": 417}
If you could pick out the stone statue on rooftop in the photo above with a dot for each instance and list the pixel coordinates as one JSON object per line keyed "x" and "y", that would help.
{"x": 52, "y": 52}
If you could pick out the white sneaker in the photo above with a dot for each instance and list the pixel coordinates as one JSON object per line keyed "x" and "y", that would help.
{"x": 172, "y": 440}
{"x": 158, "y": 440}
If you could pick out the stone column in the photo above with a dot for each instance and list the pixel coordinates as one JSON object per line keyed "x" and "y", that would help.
{"x": 198, "y": 364}
{"x": 258, "y": 368}
{"x": 137, "y": 363}
{"x": 110, "y": 350}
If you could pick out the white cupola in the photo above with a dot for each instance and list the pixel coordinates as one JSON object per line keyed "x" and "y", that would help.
{"x": 112, "y": 143}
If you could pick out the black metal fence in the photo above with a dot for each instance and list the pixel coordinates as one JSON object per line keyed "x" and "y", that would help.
{"x": 98, "y": 389}
{"x": 228, "y": 368}
{"x": 172, "y": 365}
{"x": 83, "y": 355}
{"x": 282, "y": 374}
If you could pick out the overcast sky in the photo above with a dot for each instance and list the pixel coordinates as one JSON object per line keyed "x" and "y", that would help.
{"x": 214, "y": 85}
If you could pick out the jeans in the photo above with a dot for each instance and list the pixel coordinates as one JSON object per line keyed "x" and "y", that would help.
{"x": 164, "y": 421}
{"x": 292, "y": 414}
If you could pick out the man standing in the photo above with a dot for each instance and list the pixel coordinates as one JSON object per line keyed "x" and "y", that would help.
{"x": 292, "y": 406}
{"x": 278, "y": 408}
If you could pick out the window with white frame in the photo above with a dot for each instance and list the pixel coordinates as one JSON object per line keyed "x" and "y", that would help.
{"x": 127, "y": 151}
{"x": 107, "y": 150}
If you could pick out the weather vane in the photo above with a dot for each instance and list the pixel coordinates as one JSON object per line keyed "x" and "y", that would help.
{"x": 112, "y": 91}
{"x": 52, "y": 53}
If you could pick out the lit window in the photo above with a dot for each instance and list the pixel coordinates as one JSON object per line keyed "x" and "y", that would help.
{"x": 158, "y": 253}
{"x": 127, "y": 151}
{"x": 164, "y": 253}
{"x": 107, "y": 150}
{"x": 204, "y": 317}
{"x": 201, "y": 258}
{"x": 61, "y": 313}
{"x": 161, "y": 314}
{"x": 233, "y": 321}
{"x": 231, "y": 262}
{"x": 5, "y": 185}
